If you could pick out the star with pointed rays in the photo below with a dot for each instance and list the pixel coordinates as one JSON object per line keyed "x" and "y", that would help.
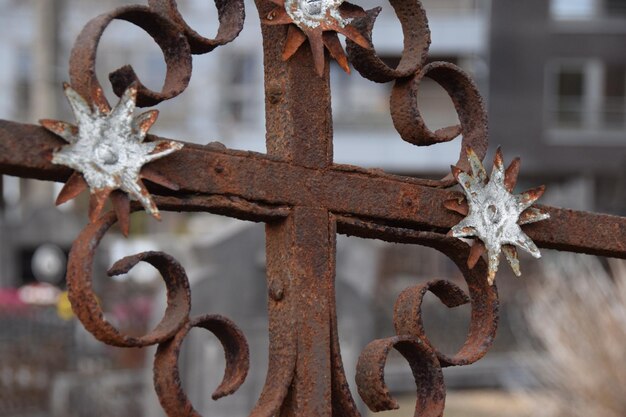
{"x": 493, "y": 214}
{"x": 108, "y": 153}
{"x": 318, "y": 21}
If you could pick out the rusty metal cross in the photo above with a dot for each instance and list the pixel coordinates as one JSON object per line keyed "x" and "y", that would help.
{"x": 305, "y": 200}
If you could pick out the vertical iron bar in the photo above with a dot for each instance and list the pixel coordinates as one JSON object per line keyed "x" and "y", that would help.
{"x": 301, "y": 249}
{"x": 306, "y": 264}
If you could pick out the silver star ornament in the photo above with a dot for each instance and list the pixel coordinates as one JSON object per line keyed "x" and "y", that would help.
{"x": 494, "y": 214}
{"x": 107, "y": 151}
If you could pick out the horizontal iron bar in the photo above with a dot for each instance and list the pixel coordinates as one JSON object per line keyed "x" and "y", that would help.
{"x": 265, "y": 183}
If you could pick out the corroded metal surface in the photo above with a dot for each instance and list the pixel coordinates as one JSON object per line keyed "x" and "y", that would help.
{"x": 303, "y": 197}
{"x": 167, "y": 376}
{"x": 416, "y": 43}
{"x": 467, "y": 101}
{"x": 424, "y": 365}
{"x": 85, "y": 302}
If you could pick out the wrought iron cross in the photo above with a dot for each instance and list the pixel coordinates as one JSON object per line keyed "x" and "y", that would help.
{"x": 302, "y": 196}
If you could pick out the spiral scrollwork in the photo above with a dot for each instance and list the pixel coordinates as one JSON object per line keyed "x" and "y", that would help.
{"x": 86, "y": 305}
{"x": 424, "y": 365}
{"x": 411, "y": 339}
{"x": 408, "y": 75}
{"x": 167, "y": 376}
{"x": 467, "y": 101}
{"x": 416, "y": 33}
{"x": 231, "y": 15}
{"x": 164, "y": 23}
{"x": 171, "y": 330}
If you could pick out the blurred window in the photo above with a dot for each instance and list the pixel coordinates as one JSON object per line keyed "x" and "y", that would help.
{"x": 615, "y": 97}
{"x": 360, "y": 104}
{"x": 570, "y": 97}
{"x": 23, "y": 83}
{"x": 586, "y": 96}
{"x": 573, "y": 9}
{"x": 452, "y": 6}
{"x": 155, "y": 70}
{"x": 615, "y": 8}
{"x": 238, "y": 89}
{"x": 587, "y": 9}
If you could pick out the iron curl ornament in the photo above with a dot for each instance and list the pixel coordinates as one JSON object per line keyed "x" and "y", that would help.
{"x": 302, "y": 196}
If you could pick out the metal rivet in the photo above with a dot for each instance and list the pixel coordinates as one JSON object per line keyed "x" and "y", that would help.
{"x": 274, "y": 93}
{"x": 276, "y": 291}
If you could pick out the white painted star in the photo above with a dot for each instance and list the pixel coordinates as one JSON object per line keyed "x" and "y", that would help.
{"x": 319, "y": 21}
{"x": 494, "y": 214}
{"x": 313, "y": 13}
{"x": 107, "y": 151}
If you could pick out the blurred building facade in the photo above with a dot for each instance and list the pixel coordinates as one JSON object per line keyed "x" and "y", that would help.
{"x": 557, "y": 93}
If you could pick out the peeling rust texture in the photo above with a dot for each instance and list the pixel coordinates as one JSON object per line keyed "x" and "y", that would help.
{"x": 305, "y": 200}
